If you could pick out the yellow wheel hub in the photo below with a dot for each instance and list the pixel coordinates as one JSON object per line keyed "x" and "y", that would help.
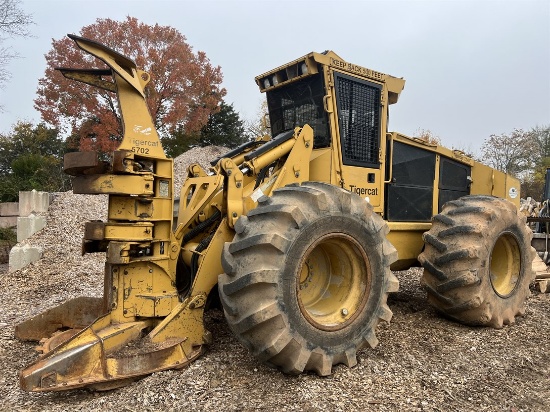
{"x": 505, "y": 264}
{"x": 333, "y": 281}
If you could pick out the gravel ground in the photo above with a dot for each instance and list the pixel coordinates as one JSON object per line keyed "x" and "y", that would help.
{"x": 423, "y": 362}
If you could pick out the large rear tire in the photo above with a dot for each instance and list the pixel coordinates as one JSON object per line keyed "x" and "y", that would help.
{"x": 478, "y": 261}
{"x": 307, "y": 278}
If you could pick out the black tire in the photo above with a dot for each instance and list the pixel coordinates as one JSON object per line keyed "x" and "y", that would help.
{"x": 309, "y": 236}
{"x": 478, "y": 261}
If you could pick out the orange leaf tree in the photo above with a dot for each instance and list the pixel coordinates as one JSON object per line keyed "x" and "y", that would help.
{"x": 184, "y": 89}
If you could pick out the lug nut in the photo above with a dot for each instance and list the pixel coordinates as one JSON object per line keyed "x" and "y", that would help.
{"x": 344, "y": 312}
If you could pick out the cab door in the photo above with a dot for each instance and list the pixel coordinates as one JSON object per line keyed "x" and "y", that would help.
{"x": 359, "y": 116}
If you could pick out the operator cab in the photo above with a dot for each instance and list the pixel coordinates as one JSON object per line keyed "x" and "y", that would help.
{"x": 347, "y": 106}
{"x": 405, "y": 179}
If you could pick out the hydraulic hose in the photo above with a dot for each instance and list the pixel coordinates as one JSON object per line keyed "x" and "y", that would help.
{"x": 201, "y": 227}
{"x": 195, "y": 259}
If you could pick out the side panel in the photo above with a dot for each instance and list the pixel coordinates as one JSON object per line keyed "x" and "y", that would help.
{"x": 499, "y": 184}
{"x": 454, "y": 180}
{"x": 410, "y": 192}
{"x": 364, "y": 182}
{"x": 487, "y": 181}
{"x": 482, "y": 180}
{"x": 512, "y": 190}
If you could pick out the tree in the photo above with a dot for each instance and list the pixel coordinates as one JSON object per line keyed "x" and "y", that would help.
{"x": 533, "y": 184}
{"x": 260, "y": 125}
{"x": 13, "y": 22}
{"x": 468, "y": 151}
{"x": 428, "y": 136}
{"x": 31, "y": 157}
{"x": 179, "y": 142}
{"x": 510, "y": 153}
{"x": 541, "y": 135}
{"x": 184, "y": 88}
{"x": 224, "y": 128}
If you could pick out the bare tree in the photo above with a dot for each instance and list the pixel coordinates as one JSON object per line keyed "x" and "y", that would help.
{"x": 428, "y": 136}
{"x": 14, "y": 22}
{"x": 510, "y": 153}
{"x": 258, "y": 126}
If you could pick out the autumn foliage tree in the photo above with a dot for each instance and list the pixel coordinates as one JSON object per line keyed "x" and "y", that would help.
{"x": 184, "y": 89}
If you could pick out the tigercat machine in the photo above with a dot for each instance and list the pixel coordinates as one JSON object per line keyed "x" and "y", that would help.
{"x": 299, "y": 232}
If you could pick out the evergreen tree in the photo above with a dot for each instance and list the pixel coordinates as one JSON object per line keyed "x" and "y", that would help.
{"x": 224, "y": 128}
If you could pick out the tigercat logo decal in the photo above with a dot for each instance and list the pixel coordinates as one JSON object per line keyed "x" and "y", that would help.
{"x": 362, "y": 191}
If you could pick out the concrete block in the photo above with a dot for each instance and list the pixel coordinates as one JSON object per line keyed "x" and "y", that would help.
{"x": 29, "y": 225}
{"x": 21, "y": 256}
{"x": 9, "y": 209}
{"x": 33, "y": 202}
{"x": 8, "y": 221}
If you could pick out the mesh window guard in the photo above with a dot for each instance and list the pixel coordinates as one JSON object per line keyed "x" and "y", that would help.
{"x": 299, "y": 103}
{"x": 359, "y": 119}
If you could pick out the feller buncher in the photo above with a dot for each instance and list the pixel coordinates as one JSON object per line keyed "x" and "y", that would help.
{"x": 298, "y": 231}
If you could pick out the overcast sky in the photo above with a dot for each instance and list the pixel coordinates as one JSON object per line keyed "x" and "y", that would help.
{"x": 473, "y": 68}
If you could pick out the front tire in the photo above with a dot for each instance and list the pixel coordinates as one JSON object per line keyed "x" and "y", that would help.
{"x": 478, "y": 261}
{"x": 307, "y": 278}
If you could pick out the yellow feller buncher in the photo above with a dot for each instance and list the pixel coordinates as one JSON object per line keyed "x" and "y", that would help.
{"x": 298, "y": 231}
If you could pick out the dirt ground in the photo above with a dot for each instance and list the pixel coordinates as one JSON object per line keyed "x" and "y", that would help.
{"x": 424, "y": 362}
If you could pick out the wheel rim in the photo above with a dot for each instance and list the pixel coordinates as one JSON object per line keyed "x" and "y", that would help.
{"x": 333, "y": 281}
{"x": 505, "y": 265}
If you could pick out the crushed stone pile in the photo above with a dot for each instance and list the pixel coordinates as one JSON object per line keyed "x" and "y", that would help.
{"x": 424, "y": 362}
{"x": 200, "y": 155}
